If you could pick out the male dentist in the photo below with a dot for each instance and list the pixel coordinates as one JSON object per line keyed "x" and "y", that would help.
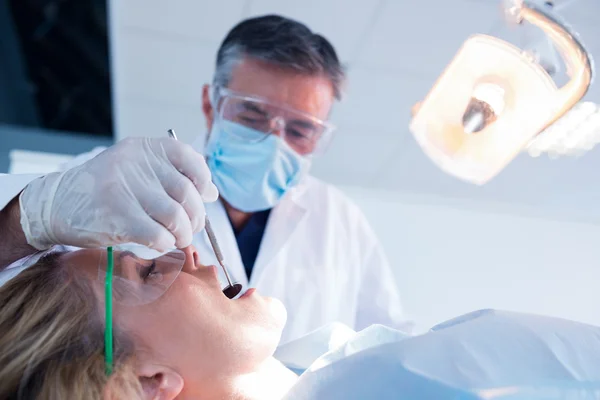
{"x": 284, "y": 232}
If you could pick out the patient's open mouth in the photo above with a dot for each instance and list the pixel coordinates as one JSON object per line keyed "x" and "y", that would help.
{"x": 232, "y": 290}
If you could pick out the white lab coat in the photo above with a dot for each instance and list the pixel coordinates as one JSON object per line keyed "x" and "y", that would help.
{"x": 319, "y": 256}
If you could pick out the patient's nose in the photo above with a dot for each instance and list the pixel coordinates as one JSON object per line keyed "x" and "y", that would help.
{"x": 192, "y": 259}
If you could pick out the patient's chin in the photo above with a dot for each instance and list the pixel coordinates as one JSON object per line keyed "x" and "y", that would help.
{"x": 269, "y": 309}
{"x": 278, "y": 312}
{"x": 275, "y": 318}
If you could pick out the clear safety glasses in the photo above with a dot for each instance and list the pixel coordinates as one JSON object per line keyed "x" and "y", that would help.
{"x": 133, "y": 280}
{"x": 304, "y": 133}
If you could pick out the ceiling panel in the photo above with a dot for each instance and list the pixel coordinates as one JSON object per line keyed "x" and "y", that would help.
{"x": 570, "y": 10}
{"x": 410, "y": 170}
{"x": 371, "y": 125}
{"x": 355, "y": 155}
{"x": 380, "y": 99}
{"x": 578, "y": 10}
{"x": 422, "y": 36}
{"x": 344, "y": 24}
{"x": 203, "y": 20}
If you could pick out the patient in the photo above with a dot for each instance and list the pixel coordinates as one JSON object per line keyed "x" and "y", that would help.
{"x": 194, "y": 343}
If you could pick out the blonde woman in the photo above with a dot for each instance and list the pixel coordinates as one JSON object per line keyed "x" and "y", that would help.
{"x": 192, "y": 342}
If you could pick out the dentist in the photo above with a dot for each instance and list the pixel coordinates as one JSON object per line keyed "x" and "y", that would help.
{"x": 284, "y": 232}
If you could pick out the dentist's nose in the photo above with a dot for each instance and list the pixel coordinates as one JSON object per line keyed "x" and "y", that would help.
{"x": 277, "y": 126}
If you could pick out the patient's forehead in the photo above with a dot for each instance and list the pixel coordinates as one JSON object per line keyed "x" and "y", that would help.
{"x": 84, "y": 261}
{"x": 84, "y": 264}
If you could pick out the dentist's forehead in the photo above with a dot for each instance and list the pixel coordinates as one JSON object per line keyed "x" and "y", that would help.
{"x": 311, "y": 94}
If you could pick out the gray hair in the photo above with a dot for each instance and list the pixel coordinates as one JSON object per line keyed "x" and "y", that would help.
{"x": 283, "y": 42}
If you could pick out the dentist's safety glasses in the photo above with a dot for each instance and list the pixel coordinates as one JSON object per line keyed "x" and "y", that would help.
{"x": 304, "y": 133}
{"x": 138, "y": 280}
{"x": 494, "y": 98}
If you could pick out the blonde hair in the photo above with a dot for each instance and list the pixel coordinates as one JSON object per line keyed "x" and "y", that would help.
{"x": 52, "y": 339}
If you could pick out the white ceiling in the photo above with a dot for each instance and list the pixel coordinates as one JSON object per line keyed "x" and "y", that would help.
{"x": 164, "y": 51}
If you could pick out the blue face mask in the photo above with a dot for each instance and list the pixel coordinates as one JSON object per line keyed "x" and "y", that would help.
{"x": 252, "y": 175}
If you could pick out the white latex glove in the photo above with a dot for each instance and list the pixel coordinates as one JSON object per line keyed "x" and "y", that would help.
{"x": 141, "y": 190}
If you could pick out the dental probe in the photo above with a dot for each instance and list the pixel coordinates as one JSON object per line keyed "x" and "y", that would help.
{"x": 232, "y": 289}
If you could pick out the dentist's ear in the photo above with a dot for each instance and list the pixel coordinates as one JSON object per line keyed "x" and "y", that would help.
{"x": 207, "y": 107}
{"x": 159, "y": 382}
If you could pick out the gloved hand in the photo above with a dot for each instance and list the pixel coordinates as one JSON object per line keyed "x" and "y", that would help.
{"x": 147, "y": 191}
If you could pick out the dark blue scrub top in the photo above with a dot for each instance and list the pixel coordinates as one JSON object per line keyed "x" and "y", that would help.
{"x": 249, "y": 238}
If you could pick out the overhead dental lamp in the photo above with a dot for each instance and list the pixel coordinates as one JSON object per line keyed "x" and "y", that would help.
{"x": 495, "y": 100}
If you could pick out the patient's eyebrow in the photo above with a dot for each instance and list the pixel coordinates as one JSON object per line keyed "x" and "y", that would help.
{"x": 127, "y": 253}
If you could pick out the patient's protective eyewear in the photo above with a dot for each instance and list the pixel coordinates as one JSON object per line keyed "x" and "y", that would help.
{"x": 303, "y": 132}
{"x": 132, "y": 280}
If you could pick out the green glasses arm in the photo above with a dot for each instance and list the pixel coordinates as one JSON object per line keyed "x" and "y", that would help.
{"x": 108, "y": 330}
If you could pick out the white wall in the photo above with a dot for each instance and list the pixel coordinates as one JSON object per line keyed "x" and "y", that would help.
{"x": 35, "y": 162}
{"x": 452, "y": 259}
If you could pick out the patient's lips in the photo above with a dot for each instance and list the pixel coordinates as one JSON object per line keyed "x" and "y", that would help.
{"x": 248, "y": 293}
